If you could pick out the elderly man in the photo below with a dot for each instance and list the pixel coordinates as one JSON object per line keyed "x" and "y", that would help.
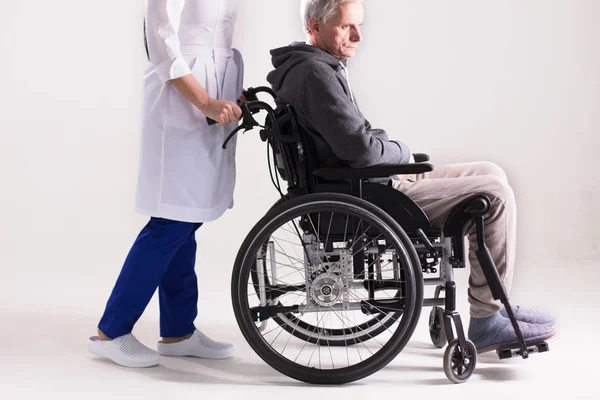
{"x": 313, "y": 77}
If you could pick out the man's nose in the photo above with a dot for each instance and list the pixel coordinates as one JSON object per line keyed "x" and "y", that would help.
{"x": 356, "y": 35}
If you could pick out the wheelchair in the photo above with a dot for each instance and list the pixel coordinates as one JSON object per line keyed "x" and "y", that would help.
{"x": 328, "y": 286}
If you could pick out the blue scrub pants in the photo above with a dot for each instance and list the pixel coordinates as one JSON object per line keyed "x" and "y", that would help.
{"x": 163, "y": 256}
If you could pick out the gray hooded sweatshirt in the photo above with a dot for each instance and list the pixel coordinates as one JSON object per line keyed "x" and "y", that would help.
{"x": 315, "y": 83}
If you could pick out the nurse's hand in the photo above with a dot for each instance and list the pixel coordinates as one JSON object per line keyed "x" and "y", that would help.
{"x": 222, "y": 111}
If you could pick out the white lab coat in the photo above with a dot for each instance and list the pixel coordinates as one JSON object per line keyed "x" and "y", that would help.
{"x": 184, "y": 174}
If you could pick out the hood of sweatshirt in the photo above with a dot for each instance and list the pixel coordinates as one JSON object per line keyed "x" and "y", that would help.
{"x": 286, "y": 58}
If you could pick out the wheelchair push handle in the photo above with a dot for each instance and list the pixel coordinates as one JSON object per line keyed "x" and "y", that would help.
{"x": 248, "y": 121}
{"x": 250, "y": 95}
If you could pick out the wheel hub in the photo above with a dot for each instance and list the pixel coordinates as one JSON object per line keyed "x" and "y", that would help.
{"x": 326, "y": 289}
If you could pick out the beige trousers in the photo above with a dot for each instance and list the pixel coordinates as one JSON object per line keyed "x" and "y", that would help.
{"x": 439, "y": 191}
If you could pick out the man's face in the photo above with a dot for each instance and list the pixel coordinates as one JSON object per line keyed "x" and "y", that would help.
{"x": 341, "y": 34}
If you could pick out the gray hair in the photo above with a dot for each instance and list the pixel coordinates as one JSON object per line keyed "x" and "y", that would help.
{"x": 320, "y": 9}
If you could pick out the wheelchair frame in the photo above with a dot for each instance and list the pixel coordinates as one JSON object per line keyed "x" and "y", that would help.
{"x": 295, "y": 162}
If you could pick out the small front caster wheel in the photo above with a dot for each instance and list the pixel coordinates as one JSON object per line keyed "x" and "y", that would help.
{"x": 459, "y": 365}
{"x": 436, "y": 327}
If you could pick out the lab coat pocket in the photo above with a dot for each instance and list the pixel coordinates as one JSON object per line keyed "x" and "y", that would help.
{"x": 182, "y": 114}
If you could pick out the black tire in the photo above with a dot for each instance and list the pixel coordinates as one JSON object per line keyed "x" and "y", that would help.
{"x": 437, "y": 332}
{"x": 459, "y": 368}
{"x": 309, "y": 204}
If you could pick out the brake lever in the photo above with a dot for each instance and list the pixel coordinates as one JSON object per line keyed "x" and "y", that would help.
{"x": 248, "y": 123}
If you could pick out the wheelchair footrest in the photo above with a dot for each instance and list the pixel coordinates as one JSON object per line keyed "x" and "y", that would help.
{"x": 511, "y": 352}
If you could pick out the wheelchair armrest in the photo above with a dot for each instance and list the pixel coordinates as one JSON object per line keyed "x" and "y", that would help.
{"x": 376, "y": 171}
{"x": 420, "y": 157}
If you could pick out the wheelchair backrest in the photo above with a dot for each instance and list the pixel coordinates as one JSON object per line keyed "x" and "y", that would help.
{"x": 293, "y": 150}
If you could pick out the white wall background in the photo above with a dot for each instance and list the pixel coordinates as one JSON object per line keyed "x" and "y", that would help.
{"x": 516, "y": 82}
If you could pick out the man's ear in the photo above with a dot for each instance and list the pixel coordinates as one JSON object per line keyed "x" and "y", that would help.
{"x": 315, "y": 26}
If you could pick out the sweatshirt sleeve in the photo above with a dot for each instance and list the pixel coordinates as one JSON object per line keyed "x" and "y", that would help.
{"x": 162, "y": 23}
{"x": 331, "y": 112}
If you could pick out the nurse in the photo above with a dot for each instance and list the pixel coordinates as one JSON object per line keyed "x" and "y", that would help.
{"x": 185, "y": 177}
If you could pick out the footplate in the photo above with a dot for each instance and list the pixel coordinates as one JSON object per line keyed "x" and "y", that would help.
{"x": 511, "y": 352}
